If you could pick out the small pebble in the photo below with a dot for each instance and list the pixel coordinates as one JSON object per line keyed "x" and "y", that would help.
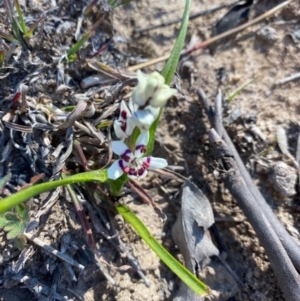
{"x": 283, "y": 178}
{"x": 268, "y": 34}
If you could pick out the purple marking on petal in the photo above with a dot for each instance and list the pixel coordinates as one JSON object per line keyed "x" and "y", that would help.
{"x": 132, "y": 172}
{"x": 127, "y": 152}
{"x": 123, "y": 114}
{"x": 141, "y": 147}
{"x": 141, "y": 171}
{"x": 124, "y": 168}
{"x": 121, "y": 164}
{"x": 126, "y": 155}
{"x": 123, "y": 126}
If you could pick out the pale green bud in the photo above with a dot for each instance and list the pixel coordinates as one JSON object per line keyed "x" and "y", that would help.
{"x": 138, "y": 95}
{"x": 161, "y": 96}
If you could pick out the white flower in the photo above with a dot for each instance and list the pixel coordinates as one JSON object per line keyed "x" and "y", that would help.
{"x": 143, "y": 119}
{"x": 134, "y": 164}
{"x": 151, "y": 90}
{"x": 124, "y": 126}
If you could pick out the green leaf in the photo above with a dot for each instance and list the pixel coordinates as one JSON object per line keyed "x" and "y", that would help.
{"x": 11, "y": 217}
{"x": 22, "y": 24}
{"x": 29, "y": 32}
{"x": 170, "y": 68}
{"x": 72, "y": 52}
{"x": 22, "y": 211}
{"x": 171, "y": 65}
{"x": 24, "y": 195}
{"x": 182, "y": 272}
{"x": 240, "y": 89}
{"x": 16, "y": 222}
{"x": 4, "y": 180}
{"x": 2, "y": 220}
{"x": 117, "y": 185}
{"x": 152, "y": 131}
{"x": 19, "y": 242}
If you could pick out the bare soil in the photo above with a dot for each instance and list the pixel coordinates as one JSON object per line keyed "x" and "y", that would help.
{"x": 181, "y": 138}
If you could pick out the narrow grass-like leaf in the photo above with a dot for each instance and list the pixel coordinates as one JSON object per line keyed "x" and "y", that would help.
{"x": 79, "y": 44}
{"x": 240, "y": 89}
{"x": 171, "y": 65}
{"x": 2, "y": 56}
{"x": 17, "y": 33}
{"x": 170, "y": 68}
{"x": 24, "y": 195}
{"x": 6, "y": 37}
{"x": 21, "y": 24}
{"x": 29, "y": 32}
{"x": 182, "y": 272}
{"x": 104, "y": 124}
{"x": 90, "y": 7}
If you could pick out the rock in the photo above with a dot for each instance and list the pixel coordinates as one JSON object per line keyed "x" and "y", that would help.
{"x": 283, "y": 178}
{"x": 268, "y": 35}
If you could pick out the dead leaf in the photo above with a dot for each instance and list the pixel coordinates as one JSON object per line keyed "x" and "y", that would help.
{"x": 191, "y": 235}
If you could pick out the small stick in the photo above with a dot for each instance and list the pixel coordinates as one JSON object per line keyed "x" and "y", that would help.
{"x": 82, "y": 217}
{"x": 191, "y": 17}
{"x": 54, "y": 252}
{"x": 239, "y": 28}
{"x": 215, "y": 38}
{"x": 282, "y": 142}
{"x": 231, "y": 271}
{"x": 288, "y": 79}
{"x": 298, "y": 150}
{"x": 284, "y": 270}
{"x": 288, "y": 242}
{"x": 81, "y": 154}
{"x": 218, "y": 120}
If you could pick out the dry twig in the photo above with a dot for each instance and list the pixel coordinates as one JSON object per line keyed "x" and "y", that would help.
{"x": 284, "y": 270}
{"x": 215, "y": 38}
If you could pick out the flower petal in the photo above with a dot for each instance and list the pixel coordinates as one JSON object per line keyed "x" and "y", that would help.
{"x": 142, "y": 139}
{"x": 161, "y": 96}
{"x": 138, "y": 94}
{"x": 115, "y": 171}
{"x": 130, "y": 125}
{"x": 119, "y": 147}
{"x": 143, "y": 119}
{"x": 154, "y": 111}
{"x": 124, "y": 111}
{"x": 154, "y": 82}
{"x": 156, "y": 163}
{"x": 119, "y": 131}
{"x": 132, "y": 106}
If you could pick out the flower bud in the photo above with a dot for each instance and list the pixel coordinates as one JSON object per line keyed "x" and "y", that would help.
{"x": 138, "y": 95}
{"x": 161, "y": 96}
{"x": 151, "y": 90}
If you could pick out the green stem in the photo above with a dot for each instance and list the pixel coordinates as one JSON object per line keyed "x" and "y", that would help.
{"x": 24, "y": 195}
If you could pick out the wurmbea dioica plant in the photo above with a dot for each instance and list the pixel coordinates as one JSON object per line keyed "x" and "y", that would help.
{"x": 150, "y": 95}
{"x": 135, "y": 128}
